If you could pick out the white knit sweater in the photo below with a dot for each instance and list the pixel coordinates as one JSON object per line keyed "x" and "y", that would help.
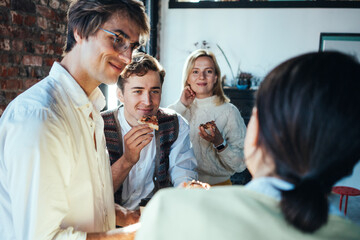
{"x": 215, "y": 167}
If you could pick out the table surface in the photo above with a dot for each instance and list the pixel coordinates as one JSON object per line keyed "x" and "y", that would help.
{"x": 343, "y": 190}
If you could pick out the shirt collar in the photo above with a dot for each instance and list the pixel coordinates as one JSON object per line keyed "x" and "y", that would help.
{"x": 75, "y": 92}
{"x": 125, "y": 126}
{"x": 98, "y": 99}
{"x": 269, "y": 186}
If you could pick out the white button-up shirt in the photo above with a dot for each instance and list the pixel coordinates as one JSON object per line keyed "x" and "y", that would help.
{"x": 55, "y": 178}
{"x": 182, "y": 164}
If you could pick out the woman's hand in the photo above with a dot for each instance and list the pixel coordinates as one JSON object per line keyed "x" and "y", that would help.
{"x": 187, "y": 96}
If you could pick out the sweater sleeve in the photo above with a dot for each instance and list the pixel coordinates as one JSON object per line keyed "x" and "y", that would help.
{"x": 232, "y": 157}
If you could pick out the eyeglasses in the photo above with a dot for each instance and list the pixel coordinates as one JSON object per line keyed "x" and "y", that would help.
{"x": 138, "y": 59}
{"x": 121, "y": 42}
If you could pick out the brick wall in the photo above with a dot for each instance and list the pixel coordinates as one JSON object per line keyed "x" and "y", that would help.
{"x": 32, "y": 35}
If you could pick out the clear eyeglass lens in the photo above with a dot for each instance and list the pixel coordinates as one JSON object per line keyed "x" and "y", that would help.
{"x": 138, "y": 59}
{"x": 121, "y": 44}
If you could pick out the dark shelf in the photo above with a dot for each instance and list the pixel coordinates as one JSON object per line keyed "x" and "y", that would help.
{"x": 243, "y": 99}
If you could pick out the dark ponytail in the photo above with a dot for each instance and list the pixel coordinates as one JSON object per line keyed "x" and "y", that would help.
{"x": 306, "y": 206}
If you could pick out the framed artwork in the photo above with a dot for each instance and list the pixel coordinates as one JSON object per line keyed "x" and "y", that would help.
{"x": 264, "y": 3}
{"x": 348, "y": 43}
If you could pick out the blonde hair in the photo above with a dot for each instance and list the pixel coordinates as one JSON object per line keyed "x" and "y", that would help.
{"x": 189, "y": 65}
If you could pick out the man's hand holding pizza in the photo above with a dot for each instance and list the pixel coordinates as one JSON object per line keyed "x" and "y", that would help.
{"x": 134, "y": 141}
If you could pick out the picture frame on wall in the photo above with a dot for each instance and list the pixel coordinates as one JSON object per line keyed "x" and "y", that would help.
{"x": 348, "y": 43}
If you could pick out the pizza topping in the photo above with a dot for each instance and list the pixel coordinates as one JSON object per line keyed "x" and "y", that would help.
{"x": 208, "y": 125}
{"x": 151, "y": 121}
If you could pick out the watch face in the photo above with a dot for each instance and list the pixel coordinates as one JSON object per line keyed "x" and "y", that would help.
{"x": 220, "y": 147}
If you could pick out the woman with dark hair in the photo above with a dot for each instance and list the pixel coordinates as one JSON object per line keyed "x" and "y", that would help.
{"x": 303, "y": 137}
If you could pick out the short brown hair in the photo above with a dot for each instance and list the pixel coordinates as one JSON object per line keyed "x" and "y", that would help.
{"x": 140, "y": 65}
{"x": 86, "y": 16}
{"x": 189, "y": 65}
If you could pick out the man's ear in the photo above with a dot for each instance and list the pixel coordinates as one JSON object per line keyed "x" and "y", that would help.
{"x": 119, "y": 95}
{"x": 77, "y": 37}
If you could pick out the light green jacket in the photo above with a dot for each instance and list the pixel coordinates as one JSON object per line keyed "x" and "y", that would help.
{"x": 227, "y": 213}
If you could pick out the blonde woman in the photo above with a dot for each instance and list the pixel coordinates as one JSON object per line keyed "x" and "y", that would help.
{"x": 219, "y": 148}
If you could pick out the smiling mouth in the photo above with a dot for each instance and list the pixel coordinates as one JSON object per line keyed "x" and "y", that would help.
{"x": 117, "y": 67}
{"x": 145, "y": 111}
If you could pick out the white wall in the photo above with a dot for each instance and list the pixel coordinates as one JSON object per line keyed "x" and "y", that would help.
{"x": 257, "y": 39}
{"x": 353, "y": 180}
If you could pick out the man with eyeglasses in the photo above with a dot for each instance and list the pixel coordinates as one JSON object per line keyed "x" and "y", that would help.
{"x": 55, "y": 177}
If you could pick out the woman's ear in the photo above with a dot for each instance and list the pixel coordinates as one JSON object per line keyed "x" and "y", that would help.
{"x": 216, "y": 80}
{"x": 119, "y": 95}
{"x": 256, "y": 159}
{"x": 252, "y": 132}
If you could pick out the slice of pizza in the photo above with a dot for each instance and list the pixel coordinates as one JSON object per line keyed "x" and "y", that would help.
{"x": 151, "y": 121}
{"x": 208, "y": 125}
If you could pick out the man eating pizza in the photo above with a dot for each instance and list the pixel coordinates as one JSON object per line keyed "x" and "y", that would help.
{"x": 144, "y": 160}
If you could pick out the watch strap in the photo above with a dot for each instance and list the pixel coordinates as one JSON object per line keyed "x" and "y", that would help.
{"x": 221, "y": 146}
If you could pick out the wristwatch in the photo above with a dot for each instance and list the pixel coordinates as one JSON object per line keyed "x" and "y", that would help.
{"x": 221, "y": 146}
